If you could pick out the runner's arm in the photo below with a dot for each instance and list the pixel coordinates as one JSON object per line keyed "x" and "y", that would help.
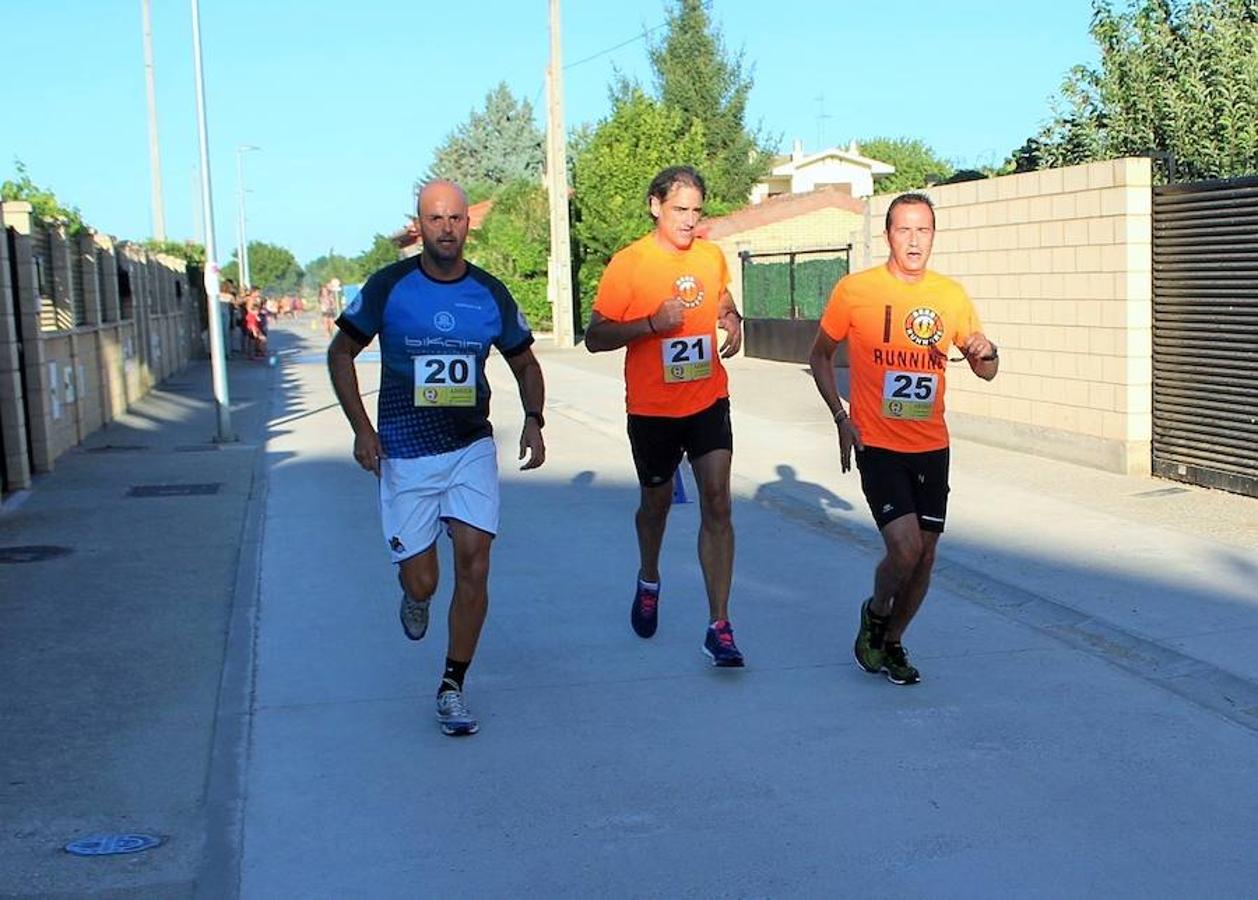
{"x": 606, "y": 334}
{"x": 731, "y": 321}
{"x": 341, "y": 354}
{"x": 982, "y": 355}
{"x": 528, "y": 375}
{"x": 821, "y": 361}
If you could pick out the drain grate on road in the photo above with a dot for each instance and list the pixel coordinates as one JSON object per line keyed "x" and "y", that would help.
{"x": 32, "y": 553}
{"x": 173, "y": 490}
{"x": 197, "y": 448}
{"x": 113, "y": 844}
{"x": 117, "y": 448}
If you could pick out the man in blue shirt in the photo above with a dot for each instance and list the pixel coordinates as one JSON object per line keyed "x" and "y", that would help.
{"x": 432, "y": 449}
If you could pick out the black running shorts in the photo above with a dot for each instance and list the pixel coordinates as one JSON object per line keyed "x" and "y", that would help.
{"x": 896, "y": 484}
{"x": 658, "y": 442}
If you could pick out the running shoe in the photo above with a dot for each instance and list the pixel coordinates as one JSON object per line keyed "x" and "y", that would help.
{"x": 413, "y": 613}
{"x": 455, "y": 718}
{"x": 719, "y": 644}
{"x": 644, "y": 615}
{"x": 868, "y": 648}
{"x": 896, "y": 666}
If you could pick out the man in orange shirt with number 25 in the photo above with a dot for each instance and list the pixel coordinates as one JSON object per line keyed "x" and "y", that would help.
{"x": 899, "y": 321}
{"x": 662, "y": 298}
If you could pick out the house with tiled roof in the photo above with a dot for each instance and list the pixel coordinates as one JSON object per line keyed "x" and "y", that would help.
{"x": 802, "y": 172}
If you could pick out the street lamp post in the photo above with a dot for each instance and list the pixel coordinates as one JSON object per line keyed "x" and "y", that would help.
{"x": 242, "y": 257}
{"x": 218, "y": 357}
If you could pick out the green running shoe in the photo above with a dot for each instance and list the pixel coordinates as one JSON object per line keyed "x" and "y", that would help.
{"x": 868, "y": 648}
{"x": 896, "y": 665}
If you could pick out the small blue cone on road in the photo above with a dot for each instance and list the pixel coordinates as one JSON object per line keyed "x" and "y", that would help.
{"x": 679, "y": 488}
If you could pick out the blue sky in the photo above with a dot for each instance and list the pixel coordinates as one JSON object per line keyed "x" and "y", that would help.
{"x": 349, "y": 100}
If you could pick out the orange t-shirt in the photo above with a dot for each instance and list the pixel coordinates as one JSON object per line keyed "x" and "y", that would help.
{"x": 899, "y": 335}
{"x": 679, "y": 373}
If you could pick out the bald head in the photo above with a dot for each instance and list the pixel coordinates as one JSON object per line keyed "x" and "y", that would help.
{"x": 441, "y": 189}
{"x": 443, "y": 222}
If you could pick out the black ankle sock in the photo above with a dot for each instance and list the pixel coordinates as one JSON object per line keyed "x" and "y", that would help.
{"x": 452, "y": 678}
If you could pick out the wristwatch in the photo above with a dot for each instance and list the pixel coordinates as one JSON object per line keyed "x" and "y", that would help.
{"x": 541, "y": 420}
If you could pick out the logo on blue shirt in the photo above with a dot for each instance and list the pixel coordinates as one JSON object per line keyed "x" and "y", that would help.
{"x": 443, "y": 321}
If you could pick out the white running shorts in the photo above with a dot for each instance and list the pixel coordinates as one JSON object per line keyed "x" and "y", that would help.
{"x": 417, "y": 495}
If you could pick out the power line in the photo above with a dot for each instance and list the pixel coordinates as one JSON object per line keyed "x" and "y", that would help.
{"x": 593, "y": 56}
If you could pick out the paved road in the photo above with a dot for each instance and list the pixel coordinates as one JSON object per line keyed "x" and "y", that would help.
{"x": 1087, "y": 723}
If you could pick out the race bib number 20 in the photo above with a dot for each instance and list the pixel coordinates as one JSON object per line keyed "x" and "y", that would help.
{"x": 442, "y": 380}
{"x": 909, "y": 395}
{"x": 687, "y": 358}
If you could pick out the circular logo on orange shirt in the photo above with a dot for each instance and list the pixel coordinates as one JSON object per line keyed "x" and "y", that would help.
{"x": 924, "y": 327}
{"x": 688, "y": 291}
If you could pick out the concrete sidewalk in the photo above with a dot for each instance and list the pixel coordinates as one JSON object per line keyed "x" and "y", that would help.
{"x": 111, "y": 654}
{"x": 227, "y": 670}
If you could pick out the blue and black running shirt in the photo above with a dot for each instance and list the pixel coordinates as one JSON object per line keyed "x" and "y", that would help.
{"x": 434, "y": 340}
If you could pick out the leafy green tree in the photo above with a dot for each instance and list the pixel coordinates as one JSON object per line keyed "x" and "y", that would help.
{"x": 43, "y": 201}
{"x": 1174, "y": 77}
{"x": 272, "y": 269}
{"x": 696, "y": 74}
{"x": 381, "y": 253}
{"x": 916, "y": 164}
{"x": 494, "y": 147}
{"x": 322, "y": 269}
{"x": 513, "y": 243}
{"x": 611, "y": 173}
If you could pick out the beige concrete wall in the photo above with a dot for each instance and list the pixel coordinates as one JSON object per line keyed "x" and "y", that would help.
{"x": 74, "y": 377}
{"x": 822, "y": 228}
{"x": 1059, "y": 265}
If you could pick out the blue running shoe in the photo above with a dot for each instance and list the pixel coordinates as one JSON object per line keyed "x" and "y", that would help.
{"x": 644, "y": 616}
{"x": 719, "y": 644}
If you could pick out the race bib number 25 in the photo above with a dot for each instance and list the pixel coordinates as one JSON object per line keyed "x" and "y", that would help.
{"x": 909, "y": 395}
{"x": 687, "y": 358}
{"x": 442, "y": 380}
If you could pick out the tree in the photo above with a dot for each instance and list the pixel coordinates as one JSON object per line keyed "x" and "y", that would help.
{"x": 492, "y": 148}
{"x": 695, "y": 74}
{"x": 272, "y": 269}
{"x": 322, "y": 269}
{"x": 381, "y": 253}
{"x": 612, "y": 170}
{"x": 43, "y": 201}
{"x": 916, "y": 164}
{"x": 1174, "y": 77}
{"x": 514, "y": 244}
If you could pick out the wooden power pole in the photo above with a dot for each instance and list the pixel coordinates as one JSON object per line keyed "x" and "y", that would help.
{"x": 560, "y": 270}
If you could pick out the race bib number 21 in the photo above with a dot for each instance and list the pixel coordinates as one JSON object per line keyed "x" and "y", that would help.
{"x": 687, "y": 358}
{"x": 442, "y": 380}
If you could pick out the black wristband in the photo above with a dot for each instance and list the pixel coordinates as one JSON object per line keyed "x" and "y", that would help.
{"x": 651, "y": 325}
{"x": 541, "y": 420}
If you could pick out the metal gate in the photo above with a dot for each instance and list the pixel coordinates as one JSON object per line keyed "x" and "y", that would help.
{"x": 1205, "y": 333}
{"x": 784, "y": 295}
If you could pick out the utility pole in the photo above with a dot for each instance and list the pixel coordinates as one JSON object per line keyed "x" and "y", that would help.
{"x": 155, "y": 161}
{"x": 560, "y": 269}
{"x": 218, "y": 357}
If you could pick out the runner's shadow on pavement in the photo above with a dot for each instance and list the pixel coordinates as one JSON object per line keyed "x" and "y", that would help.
{"x": 789, "y": 489}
